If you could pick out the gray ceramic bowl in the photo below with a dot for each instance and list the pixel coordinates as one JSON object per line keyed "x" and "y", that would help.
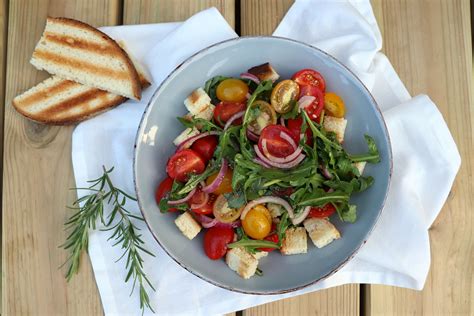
{"x": 159, "y": 127}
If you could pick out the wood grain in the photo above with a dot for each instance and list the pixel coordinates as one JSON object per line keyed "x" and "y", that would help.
{"x": 151, "y": 11}
{"x": 37, "y": 175}
{"x": 429, "y": 44}
{"x": 261, "y": 18}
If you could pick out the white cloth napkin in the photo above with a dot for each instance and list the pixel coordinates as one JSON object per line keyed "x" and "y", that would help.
{"x": 425, "y": 163}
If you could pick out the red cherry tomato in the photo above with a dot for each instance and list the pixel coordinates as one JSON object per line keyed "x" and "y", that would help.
{"x": 225, "y": 110}
{"x": 276, "y": 145}
{"x": 310, "y": 77}
{"x": 205, "y": 147}
{"x": 207, "y": 208}
{"x": 163, "y": 189}
{"x": 216, "y": 240}
{"x": 184, "y": 163}
{"x": 316, "y": 107}
{"x": 294, "y": 125}
{"x": 273, "y": 238}
{"x": 322, "y": 211}
{"x": 308, "y": 90}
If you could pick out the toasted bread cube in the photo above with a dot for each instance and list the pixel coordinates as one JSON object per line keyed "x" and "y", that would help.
{"x": 321, "y": 231}
{"x": 197, "y": 102}
{"x": 260, "y": 254}
{"x": 187, "y": 133}
{"x": 264, "y": 72}
{"x": 360, "y": 166}
{"x": 187, "y": 225}
{"x": 206, "y": 114}
{"x": 242, "y": 262}
{"x": 295, "y": 241}
{"x": 336, "y": 125}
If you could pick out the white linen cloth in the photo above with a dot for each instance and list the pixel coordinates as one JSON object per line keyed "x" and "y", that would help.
{"x": 426, "y": 159}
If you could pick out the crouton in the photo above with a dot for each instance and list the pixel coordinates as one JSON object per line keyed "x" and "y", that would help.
{"x": 242, "y": 262}
{"x": 197, "y": 102}
{"x": 336, "y": 125}
{"x": 360, "y": 166}
{"x": 187, "y": 133}
{"x": 187, "y": 225}
{"x": 264, "y": 72}
{"x": 295, "y": 241}
{"x": 260, "y": 254}
{"x": 321, "y": 231}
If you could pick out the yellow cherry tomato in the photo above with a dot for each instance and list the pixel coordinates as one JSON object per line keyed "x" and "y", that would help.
{"x": 334, "y": 105}
{"x": 232, "y": 90}
{"x": 282, "y": 95}
{"x": 258, "y": 222}
{"x": 226, "y": 184}
{"x": 265, "y": 116}
{"x": 223, "y": 213}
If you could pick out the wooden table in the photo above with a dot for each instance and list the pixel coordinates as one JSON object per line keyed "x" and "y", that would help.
{"x": 429, "y": 44}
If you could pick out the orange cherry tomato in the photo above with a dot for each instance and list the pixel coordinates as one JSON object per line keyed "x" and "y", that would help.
{"x": 334, "y": 105}
{"x": 232, "y": 90}
{"x": 258, "y": 222}
{"x": 226, "y": 184}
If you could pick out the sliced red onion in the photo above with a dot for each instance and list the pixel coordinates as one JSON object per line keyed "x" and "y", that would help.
{"x": 287, "y": 159}
{"x": 304, "y": 101}
{"x": 302, "y": 216}
{"x": 252, "y": 136}
{"x": 218, "y": 180}
{"x": 261, "y": 163}
{"x": 183, "y": 200}
{"x": 282, "y": 121}
{"x": 289, "y": 139}
{"x": 233, "y": 118}
{"x": 188, "y": 142}
{"x": 247, "y": 75}
{"x": 287, "y": 165}
{"x": 325, "y": 172}
{"x": 206, "y": 199}
{"x": 229, "y": 225}
{"x": 206, "y": 221}
{"x": 268, "y": 199}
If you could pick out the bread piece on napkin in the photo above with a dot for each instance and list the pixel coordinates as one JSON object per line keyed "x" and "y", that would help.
{"x": 59, "y": 101}
{"x": 76, "y": 51}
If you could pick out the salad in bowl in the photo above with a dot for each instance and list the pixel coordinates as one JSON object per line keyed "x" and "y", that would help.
{"x": 261, "y": 165}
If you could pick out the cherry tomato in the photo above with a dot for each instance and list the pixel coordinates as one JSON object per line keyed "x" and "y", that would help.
{"x": 205, "y": 147}
{"x": 310, "y": 77}
{"x": 184, "y": 163}
{"x": 308, "y": 90}
{"x": 206, "y": 209}
{"x": 225, "y": 110}
{"x": 163, "y": 189}
{"x": 322, "y": 211}
{"x": 282, "y": 94}
{"x": 276, "y": 145}
{"x": 273, "y": 238}
{"x": 216, "y": 240}
{"x": 258, "y": 222}
{"x": 316, "y": 107}
{"x": 232, "y": 90}
{"x": 294, "y": 125}
{"x": 267, "y": 116}
{"x": 334, "y": 105}
{"x": 223, "y": 213}
{"x": 226, "y": 184}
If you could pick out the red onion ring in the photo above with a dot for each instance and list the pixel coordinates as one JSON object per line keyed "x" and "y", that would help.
{"x": 288, "y": 158}
{"x": 305, "y": 100}
{"x": 261, "y": 163}
{"x": 282, "y": 121}
{"x": 233, "y": 118}
{"x": 229, "y": 225}
{"x": 252, "y": 136}
{"x": 218, "y": 180}
{"x": 268, "y": 199}
{"x": 183, "y": 200}
{"x": 301, "y": 217}
{"x": 247, "y": 75}
{"x": 287, "y": 165}
{"x": 325, "y": 172}
{"x": 188, "y": 142}
{"x": 289, "y": 139}
{"x": 204, "y": 202}
{"x": 206, "y": 221}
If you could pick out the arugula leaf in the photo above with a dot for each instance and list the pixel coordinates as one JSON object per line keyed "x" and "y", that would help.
{"x": 210, "y": 87}
{"x": 235, "y": 199}
{"x": 165, "y": 207}
{"x": 251, "y": 245}
{"x": 196, "y": 178}
{"x": 228, "y": 145}
{"x": 318, "y": 133}
{"x": 319, "y": 197}
{"x": 200, "y": 123}
{"x": 264, "y": 86}
{"x": 372, "y": 156}
{"x": 282, "y": 226}
{"x": 293, "y": 113}
{"x": 346, "y": 212}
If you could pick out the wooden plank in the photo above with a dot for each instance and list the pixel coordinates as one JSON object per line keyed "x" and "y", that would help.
{"x": 429, "y": 44}
{"x": 261, "y": 18}
{"x": 151, "y": 11}
{"x": 37, "y": 175}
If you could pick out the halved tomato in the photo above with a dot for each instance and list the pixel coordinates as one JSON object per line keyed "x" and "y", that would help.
{"x": 223, "y": 213}
{"x": 226, "y": 184}
{"x": 282, "y": 94}
{"x": 322, "y": 211}
{"x": 334, "y": 105}
{"x": 205, "y": 147}
{"x": 225, "y": 110}
{"x": 184, "y": 163}
{"x": 266, "y": 116}
{"x": 206, "y": 209}
{"x": 294, "y": 125}
{"x": 310, "y": 77}
{"x": 276, "y": 145}
{"x": 163, "y": 189}
{"x": 316, "y": 107}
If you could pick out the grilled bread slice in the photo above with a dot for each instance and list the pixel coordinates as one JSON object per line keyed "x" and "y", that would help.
{"x": 76, "y": 51}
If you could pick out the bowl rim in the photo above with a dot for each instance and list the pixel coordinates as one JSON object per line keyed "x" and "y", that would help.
{"x": 190, "y": 59}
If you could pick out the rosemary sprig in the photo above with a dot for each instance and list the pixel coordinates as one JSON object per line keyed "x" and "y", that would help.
{"x": 124, "y": 231}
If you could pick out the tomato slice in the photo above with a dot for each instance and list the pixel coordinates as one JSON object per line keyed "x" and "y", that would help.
{"x": 294, "y": 125}
{"x": 205, "y": 147}
{"x": 334, "y": 105}
{"x": 308, "y": 90}
{"x": 226, "y": 184}
{"x": 322, "y": 211}
{"x": 206, "y": 209}
{"x": 184, "y": 163}
{"x": 223, "y": 213}
{"x": 310, "y": 77}
{"x": 316, "y": 107}
{"x": 163, "y": 189}
{"x": 216, "y": 240}
{"x": 225, "y": 110}
{"x": 282, "y": 94}
{"x": 276, "y": 145}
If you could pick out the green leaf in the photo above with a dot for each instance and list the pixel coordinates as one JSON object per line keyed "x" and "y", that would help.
{"x": 210, "y": 87}
{"x": 372, "y": 156}
{"x": 293, "y": 113}
{"x": 282, "y": 226}
{"x": 235, "y": 199}
{"x": 201, "y": 124}
{"x": 266, "y": 85}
